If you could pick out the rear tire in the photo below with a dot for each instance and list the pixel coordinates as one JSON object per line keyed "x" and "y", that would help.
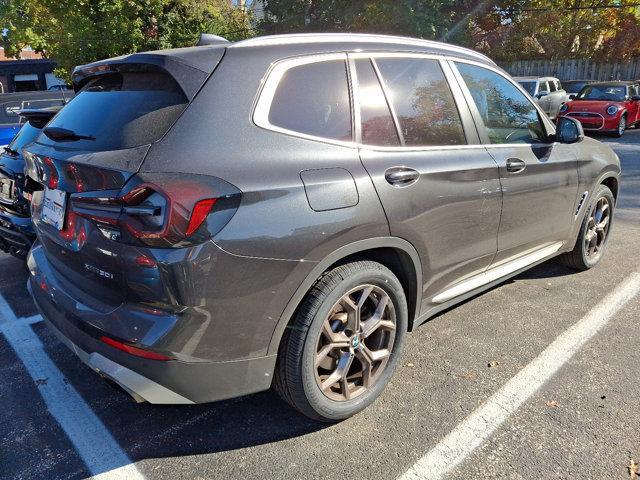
{"x": 328, "y": 337}
{"x": 593, "y": 237}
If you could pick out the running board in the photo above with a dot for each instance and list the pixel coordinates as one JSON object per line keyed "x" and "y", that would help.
{"x": 496, "y": 273}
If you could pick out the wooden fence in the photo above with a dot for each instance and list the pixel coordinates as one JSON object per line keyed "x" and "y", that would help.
{"x": 575, "y": 69}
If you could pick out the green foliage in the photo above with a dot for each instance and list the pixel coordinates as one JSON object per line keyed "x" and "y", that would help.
{"x": 420, "y": 18}
{"x": 554, "y": 29}
{"x": 75, "y": 32}
{"x": 504, "y": 29}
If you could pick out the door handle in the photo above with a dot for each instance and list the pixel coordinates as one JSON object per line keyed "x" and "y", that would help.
{"x": 401, "y": 176}
{"x": 515, "y": 165}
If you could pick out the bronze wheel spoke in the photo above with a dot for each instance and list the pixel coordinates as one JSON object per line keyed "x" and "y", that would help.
{"x": 346, "y": 366}
{"x": 597, "y": 228}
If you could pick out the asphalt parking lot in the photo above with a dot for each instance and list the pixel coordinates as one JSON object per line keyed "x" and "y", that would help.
{"x": 60, "y": 420}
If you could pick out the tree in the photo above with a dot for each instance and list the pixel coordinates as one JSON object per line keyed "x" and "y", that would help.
{"x": 553, "y": 29}
{"x": 419, "y": 18}
{"x": 75, "y": 32}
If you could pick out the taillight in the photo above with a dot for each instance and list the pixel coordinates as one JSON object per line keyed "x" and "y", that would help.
{"x": 51, "y": 174}
{"x": 161, "y": 210}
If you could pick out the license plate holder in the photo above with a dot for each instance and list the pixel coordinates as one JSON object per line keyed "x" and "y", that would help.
{"x": 6, "y": 188}
{"x": 54, "y": 207}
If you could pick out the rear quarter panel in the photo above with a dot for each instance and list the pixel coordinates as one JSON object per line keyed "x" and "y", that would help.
{"x": 216, "y": 136}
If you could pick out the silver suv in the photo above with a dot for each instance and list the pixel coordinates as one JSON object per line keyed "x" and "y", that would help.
{"x": 282, "y": 211}
{"x": 547, "y": 91}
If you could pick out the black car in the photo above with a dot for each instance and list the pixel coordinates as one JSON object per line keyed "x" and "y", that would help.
{"x": 16, "y": 232}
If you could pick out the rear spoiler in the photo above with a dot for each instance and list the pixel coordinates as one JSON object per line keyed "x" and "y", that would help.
{"x": 39, "y": 117}
{"x": 190, "y": 66}
{"x": 39, "y": 113}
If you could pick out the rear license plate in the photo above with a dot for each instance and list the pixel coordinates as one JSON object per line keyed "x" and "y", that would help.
{"x": 6, "y": 188}
{"x": 53, "y": 207}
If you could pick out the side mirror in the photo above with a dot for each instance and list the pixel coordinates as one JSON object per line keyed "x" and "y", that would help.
{"x": 541, "y": 94}
{"x": 569, "y": 130}
{"x": 572, "y": 96}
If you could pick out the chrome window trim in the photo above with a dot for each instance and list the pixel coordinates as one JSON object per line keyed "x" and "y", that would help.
{"x": 297, "y": 38}
{"x": 548, "y": 124}
{"x": 387, "y": 97}
{"x": 354, "y": 88}
{"x": 270, "y": 84}
{"x": 271, "y": 79}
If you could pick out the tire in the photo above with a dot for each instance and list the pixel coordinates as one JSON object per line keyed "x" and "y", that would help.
{"x": 580, "y": 257}
{"x": 622, "y": 126}
{"x": 297, "y": 378}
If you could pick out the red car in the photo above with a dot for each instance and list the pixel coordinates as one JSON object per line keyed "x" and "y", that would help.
{"x": 608, "y": 107}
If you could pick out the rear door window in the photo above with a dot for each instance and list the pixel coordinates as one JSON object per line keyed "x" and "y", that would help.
{"x": 423, "y": 101}
{"x": 121, "y": 110}
{"x": 552, "y": 86}
{"x": 377, "y": 123}
{"x": 508, "y": 115}
{"x": 313, "y": 99}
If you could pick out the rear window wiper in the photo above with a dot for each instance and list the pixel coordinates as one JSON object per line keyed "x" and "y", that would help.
{"x": 58, "y": 133}
{"x": 11, "y": 151}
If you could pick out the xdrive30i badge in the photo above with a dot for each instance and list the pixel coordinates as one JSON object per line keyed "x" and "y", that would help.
{"x": 98, "y": 271}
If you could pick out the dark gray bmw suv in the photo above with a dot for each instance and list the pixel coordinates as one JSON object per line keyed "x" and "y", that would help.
{"x": 281, "y": 211}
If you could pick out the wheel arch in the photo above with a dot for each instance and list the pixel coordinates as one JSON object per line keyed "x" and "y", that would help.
{"x": 611, "y": 181}
{"x": 395, "y": 253}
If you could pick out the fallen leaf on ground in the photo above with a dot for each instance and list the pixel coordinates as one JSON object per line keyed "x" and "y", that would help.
{"x": 467, "y": 375}
{"x": 633, "y": 469}
{"x": 410, "y": 365}
{"x": 493, "y": 363}
{"x": 552, "y": 404}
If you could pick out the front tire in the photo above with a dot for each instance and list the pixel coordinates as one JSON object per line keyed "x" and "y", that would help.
{"x": 622, "y": 126}
{"x": 345, "y": 341}
{"x": 594, "y": 232}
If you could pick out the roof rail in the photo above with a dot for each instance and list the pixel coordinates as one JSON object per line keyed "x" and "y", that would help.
{"x": 292, "y": 38}
{"x": 211, "y": 39}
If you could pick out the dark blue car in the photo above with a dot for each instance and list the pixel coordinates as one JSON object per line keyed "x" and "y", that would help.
{"x": 16, "y": 232}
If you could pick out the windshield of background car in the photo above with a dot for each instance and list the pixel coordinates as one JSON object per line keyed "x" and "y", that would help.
{"x": 530, "y": 87}
{"x": 574, "y": 86}
{"x": 121, "y": 110}
{"x": 25, "y": 136}
{"x": 603, "y": 92}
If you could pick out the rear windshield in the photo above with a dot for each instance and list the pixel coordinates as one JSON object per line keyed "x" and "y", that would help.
{"x": 603, "y": 92}
{"x": 121, "y": 110}
{"x": 25, "y": 136}
{"x": 530, "y": 87}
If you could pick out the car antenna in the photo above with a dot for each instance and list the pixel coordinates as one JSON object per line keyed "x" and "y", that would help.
{"x": 64, "y": 99}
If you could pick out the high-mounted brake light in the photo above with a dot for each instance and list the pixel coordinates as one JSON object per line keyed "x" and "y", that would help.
{"x": 131, "y": 350}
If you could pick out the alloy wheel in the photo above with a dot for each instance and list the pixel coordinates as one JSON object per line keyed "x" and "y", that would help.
{"x": 622, "y": 125}
{"x": 355, "y": 343}
{"x": 597, "y": 228}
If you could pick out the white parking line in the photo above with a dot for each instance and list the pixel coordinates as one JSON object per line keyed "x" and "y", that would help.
{"x": 94, "y": 443}
{"x": 453, "y": 449}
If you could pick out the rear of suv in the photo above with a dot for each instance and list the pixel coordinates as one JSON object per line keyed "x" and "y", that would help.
{"x": 281, "y": 211}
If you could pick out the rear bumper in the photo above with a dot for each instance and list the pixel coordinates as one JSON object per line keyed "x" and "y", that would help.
{"x": 16, "y": 233}
{"x": 162, "y": 382}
